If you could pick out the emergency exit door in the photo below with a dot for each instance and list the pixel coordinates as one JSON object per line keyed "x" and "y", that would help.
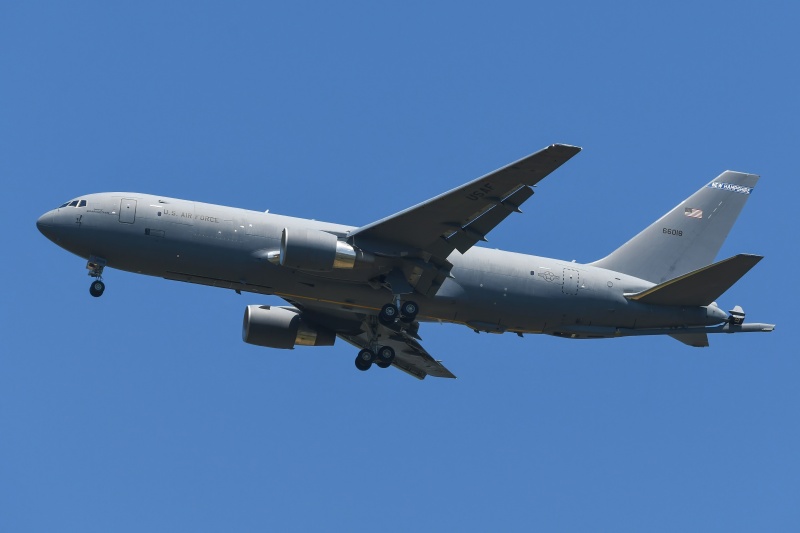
{"x": 127, "y": 210}
{"x": 571, "y": 281}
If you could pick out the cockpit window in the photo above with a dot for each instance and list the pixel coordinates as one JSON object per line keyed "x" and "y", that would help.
{"x": 73, "y": 203}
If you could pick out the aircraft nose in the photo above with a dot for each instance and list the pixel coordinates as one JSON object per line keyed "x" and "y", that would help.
{"x": 45, "y": 220}
{"x": 45, "y": 224}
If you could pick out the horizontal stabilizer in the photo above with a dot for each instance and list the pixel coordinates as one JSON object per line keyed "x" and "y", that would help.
{"x": 693, "y": 336}
{"x": 700, "y": 287}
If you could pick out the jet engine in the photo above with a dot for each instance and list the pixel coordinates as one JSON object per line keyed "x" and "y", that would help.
{"x": 314, "y": 250}
{"x": 282, "y": 327}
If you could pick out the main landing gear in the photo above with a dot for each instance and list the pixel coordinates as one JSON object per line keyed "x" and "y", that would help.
{"x": 389, "y": 315}
{"x": 95, "y": 265}
{"x": 382, "y": 356}
{"x": 405, "y": 312}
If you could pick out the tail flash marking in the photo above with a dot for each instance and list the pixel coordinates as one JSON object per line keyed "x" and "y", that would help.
{"x": 730, "y": 187}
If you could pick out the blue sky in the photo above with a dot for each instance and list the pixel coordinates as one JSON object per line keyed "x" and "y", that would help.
{"x": 143, "y": 410}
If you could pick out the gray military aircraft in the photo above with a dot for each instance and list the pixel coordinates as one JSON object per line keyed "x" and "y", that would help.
{"x": 372, "y": 286}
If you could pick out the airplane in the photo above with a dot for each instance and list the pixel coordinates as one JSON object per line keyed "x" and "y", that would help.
{"x": 373, "y": 285}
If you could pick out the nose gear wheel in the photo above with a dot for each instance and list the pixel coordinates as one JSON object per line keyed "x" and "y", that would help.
{"x": 95, "y": 266}
{"x": 97, "y": 288}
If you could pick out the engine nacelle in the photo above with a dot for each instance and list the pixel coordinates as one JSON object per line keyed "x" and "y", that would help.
{"x": 313, "y": 250}
{"x": 281, "y": 327}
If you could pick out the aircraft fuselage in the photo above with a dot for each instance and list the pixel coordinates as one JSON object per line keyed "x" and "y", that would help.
{"x": 488, "y": 290}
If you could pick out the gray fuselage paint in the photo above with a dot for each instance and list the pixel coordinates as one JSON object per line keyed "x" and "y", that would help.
{"x": 225, "y": 247}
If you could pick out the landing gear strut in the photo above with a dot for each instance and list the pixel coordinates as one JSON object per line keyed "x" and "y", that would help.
{"x": 95, "y": 265}
{"x": 389, "y": 315}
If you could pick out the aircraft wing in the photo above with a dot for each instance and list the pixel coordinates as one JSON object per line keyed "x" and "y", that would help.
{"x": 459, "y": 218}
{"x": 354, "y": 326}
{"x": 410, "y": 356}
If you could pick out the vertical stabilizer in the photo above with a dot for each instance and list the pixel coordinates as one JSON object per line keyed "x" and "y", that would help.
{"x": 688, "y": 237}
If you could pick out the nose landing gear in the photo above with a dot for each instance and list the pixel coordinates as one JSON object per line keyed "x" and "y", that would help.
{"x": 95, "y": 265}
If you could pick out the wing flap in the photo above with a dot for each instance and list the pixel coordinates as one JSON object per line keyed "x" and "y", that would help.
{"x": 475, "y": 230}
{"x": 700, "y": 287}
